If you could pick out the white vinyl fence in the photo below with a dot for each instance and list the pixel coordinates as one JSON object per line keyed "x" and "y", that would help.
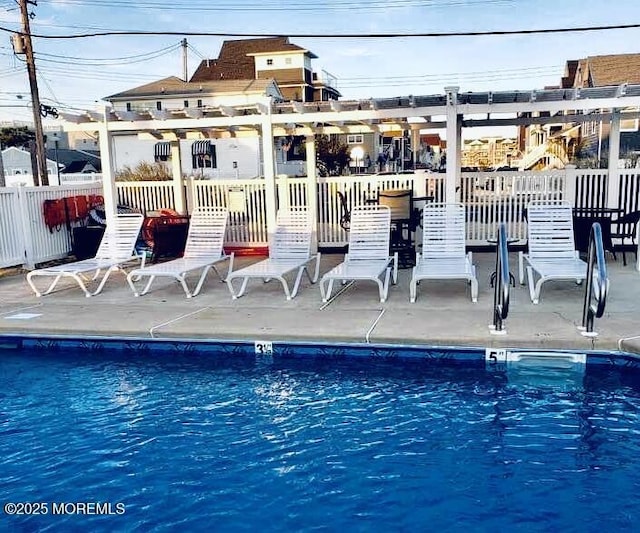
{"x": 489, "y": 197}
{"x": 25, "y": 239}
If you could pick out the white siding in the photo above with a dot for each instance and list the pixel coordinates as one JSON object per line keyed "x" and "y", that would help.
{"x": 296, "y": 60}
{"x": 130, "y": 151}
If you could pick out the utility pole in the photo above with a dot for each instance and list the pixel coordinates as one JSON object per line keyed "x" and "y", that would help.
{"x": 185, "y": 72}
{"x": 42, "y": 178}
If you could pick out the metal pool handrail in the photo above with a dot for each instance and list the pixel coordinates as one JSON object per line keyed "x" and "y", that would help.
{"x": 597, "y": 285}
{"x": 502, "y": 288}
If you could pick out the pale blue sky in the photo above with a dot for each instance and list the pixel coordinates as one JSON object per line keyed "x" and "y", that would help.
{"x": 76, "y": 73}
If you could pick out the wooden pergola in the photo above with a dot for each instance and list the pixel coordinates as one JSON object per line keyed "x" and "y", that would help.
{"x": 451, "y": 111}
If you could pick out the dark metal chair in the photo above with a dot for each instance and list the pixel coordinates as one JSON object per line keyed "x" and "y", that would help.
{"x": 625, "y": 228}
{"x": 345, "y": 212}
{"x": 403, "y": 223}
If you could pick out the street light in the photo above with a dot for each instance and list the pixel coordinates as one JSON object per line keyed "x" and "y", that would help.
{"x": 357, "y": 154}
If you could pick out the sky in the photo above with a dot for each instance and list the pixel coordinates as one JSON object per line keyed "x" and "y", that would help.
{"x": 76, "y": 74}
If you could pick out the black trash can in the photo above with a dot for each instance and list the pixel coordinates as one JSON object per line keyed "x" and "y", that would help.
{"x": 86, "y": 240}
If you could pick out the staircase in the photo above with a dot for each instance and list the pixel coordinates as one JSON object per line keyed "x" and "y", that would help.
{"x": 551, "y": 149}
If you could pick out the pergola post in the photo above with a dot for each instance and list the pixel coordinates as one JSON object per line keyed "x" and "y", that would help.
{"x": 268, "y": 167}
{"x": 176, "y": 172}
{"x": 109, "y": 191}
{"x": 613, "y": 181}
{"x": 312, "y": 194}
{"x": 415, "y": 144}
{"x": 453, "y": 142}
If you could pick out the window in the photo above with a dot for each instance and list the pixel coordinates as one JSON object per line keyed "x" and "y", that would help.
{"x": 269, "y": 62}
{"x": 287, "y": 61}
{"x": 629, "y": 124}
{"x": 355, "y": 139}
{"x": 203, "y": 155}
{"x": 128, "y": 106}
{"x": 199, "y": 104}
{"x": 186, "y": 104}
{"x": 159, "y": 106}
{"x": 162, "y": 151}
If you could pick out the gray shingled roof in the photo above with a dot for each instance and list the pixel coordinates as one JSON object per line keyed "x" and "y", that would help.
{"x": 174, "y": 86}
{"x": 602, "y": 71}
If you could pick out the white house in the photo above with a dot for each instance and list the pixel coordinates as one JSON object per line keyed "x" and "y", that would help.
{"x": 17, "y": 167}
{"x": 234, "y": 154}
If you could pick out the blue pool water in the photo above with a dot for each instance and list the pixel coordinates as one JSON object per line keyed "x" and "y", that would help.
{"x": 206, "y": 443}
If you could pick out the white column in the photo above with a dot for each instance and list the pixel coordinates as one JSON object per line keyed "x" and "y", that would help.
{"x": 312, "y": 192}
{"x": 453, "y": 140}
{"x": 268, "y": 168}
{"x": 613, "y": 181}
{"x": 176, "y": 172}
{"x": 415, "y": 143}
{"x": 109, "y": 190}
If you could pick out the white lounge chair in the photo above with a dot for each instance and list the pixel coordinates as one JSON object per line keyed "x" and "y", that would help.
{"x": 444, "y": 253}
{"x": 552, "y": 252}
{"x": 116, "y": 248}
{"x": 368, "y": 255}
{"x": 289, "y": 251}
{"x": 203, "y": 249}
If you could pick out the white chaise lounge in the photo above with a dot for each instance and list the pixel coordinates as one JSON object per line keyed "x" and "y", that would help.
{"x": 443, "y": 253}
{"x": 203, "y": 250}
{"x": 552, "y": 254}
{"x": 116, "y": 248}
{"x": 368, "y": 254}
{"x": 289, "y": 251}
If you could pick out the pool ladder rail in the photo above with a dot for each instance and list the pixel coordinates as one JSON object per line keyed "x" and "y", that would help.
{"x": 501, "y": 287}
{"x": 597, "y": 283}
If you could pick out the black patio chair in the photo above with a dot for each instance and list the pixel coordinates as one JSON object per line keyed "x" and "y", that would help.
{"x": 626, "y": 227}
{"x": 345, "y": 212}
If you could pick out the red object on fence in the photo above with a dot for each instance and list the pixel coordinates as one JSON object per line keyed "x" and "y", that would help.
{"x": 55, "y": 215}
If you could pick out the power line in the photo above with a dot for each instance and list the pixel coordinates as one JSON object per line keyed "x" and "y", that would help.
{"x": 390, "y": 35}
{"x": 146, "y": 55}
{"x": 264, "y": 5}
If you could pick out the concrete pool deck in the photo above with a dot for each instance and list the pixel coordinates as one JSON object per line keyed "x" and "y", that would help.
{"x": 442, "y": 315}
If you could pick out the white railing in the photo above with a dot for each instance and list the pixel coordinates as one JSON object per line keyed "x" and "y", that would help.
{"x": 12, "y": 246}
{"x": 26, "y": 229}
{"x": 245, "y": 200}
{"x": 68, "y": 179}
{"x": 146, "y": 195}
{"x": 494, "y": 197}
{"x": 490, "y": 197}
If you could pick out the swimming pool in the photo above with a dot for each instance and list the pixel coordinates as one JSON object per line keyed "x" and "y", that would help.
{"x": 231, "y": 441}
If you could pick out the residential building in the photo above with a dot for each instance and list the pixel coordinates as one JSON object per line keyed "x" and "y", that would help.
{"x": 18, "y": 167}
{"x": 271, "y": 58}
{"x": 246, "y": 72}
{"x": 601, "y": 71}
{"x": 230, "y": 157}
{"x": 489, "y": 153}
{"x": 552, "y": 145}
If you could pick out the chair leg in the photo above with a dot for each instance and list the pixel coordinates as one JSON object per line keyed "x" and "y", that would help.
{"x": 203, "y": 276}
{"x": 521, "y": 267}
{"x": 413, "y": 290}
{"x": 534, "y": 289}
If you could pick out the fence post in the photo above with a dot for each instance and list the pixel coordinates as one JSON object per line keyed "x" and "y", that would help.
{"x": 613, "y": 184}
{"x": 25, "y": 225}
{"x": 570, "y": 184}
{"x": 176, "y": 171}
